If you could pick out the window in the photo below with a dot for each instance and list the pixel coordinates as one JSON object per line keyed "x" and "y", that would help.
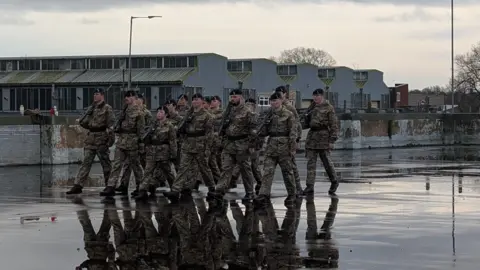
{"x": 234, "y": 66}
{"x": 282, "y": 70}
{"x": 247, "y": 66}
{"x": 113, "y": 97}
{"x": 101, "y": 63}
{"x": 120, "y": 63}
{"x": 175, "y": 62}
{"x": 87, "y": 97}
{"x": 164, "y": 94}
{"x": 1, "y": 100}
{"x": 45, "y": 98}
{"x": 140, "y": 62}
{"x": 66, "y": 99}
{"x": 159, "y": 62}
{"x": 192, "y": 61}
{"x": 77, "y": 64}
{"x": 292, "y": 70}
{"x": 326, "y": 73}
{"x": 398, "y": 97}
{"x": 360, "y": 75}
{"x": 51, "y": 64}
{"x": 264, "y": 101}
{"x": 29, "y": 65}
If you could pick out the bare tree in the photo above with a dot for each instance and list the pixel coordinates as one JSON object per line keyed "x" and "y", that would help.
{"x": 467, "y": 80}
{"x": 302, "y": 55}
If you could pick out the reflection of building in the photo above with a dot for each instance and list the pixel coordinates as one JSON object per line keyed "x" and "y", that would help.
{"x": 68, "y": 82}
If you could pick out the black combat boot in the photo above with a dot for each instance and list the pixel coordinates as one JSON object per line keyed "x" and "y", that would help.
{"x": 108, "y": 192}
{"x": 248, "y": 196}
{"x": 76, "y": 189}
{"x": 135, "y": 192}
{"x": 257, "y": 187}
{"x": 333, "y": 188}
{"x": 141, "y": 196}
{"x": 197, "y": 186}
{"x": 122, "y": 189}
{"x": 261, "y": 201}
{"x": 152, "y": 190}
{"x": 308, "y": 190}
{"x": 290, "y": 200}
{"x": 173, "y": 196}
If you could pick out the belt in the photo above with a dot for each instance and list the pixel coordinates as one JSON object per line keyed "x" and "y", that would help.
{"x": 196, "y": 134}
{"x": 237, "y": 138}
{"x": 160, "y": 142}
{"x": 319, "y": 128}
{"x": 98, "y": 129}
{"x": 279, "y": 134}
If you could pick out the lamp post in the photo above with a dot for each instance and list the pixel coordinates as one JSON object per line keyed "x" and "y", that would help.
{"x": 130, "y": 47}
{"x": 452, "y": 56}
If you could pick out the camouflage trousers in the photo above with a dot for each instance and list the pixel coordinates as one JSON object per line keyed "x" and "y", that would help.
{"x": 156, "y": 169}
{"x": 229, "y": 161}
{"x": 324, "y": 155}
{"x": 129, "y": 158}
{"x": 286, "y": 165}
{"x": 127, "y": 170}
{"x": 214, "y": 165}
{"x": 195, "y": 161}
{"x": 257, "y": 173}
{"x": 89, "y": 156}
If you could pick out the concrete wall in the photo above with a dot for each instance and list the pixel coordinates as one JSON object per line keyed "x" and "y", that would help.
{"x": 61, "y": 142}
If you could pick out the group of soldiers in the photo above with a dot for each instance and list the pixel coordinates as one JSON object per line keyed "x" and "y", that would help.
{"x": 191, "y": 236}
{"x": 185, "y": 146}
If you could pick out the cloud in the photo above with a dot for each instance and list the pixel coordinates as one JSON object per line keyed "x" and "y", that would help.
{"x": 95, "y": 5}
{"x": 417, "y": 15}
{"x": 15, "y": 19}
{"x": 443, "y": 34}
{"x": 89, "y": 21}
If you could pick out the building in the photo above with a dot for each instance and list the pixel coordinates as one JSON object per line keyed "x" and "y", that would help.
{"x": 401, "y": 96}
{"x": 68, "y": 82}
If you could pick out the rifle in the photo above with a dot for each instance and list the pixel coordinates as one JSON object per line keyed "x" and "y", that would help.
{"x": 225, "y": 119}
{"x": 118, "y": 123}
{"x": 182, "y": 129}
{"x": 149, "y": 131}
{"x": 266, "y": 122}
{"x": 89, "y": 112}
{"x": 307, "y": 116}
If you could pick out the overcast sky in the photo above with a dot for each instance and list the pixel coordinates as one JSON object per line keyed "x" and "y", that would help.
{"x": 408, "y": 40}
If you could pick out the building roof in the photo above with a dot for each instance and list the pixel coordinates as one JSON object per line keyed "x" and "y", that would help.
{"x": 102, "y": 56}
{"x": 174, "y": 75}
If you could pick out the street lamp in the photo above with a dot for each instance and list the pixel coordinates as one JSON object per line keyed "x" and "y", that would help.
{"x": 452, "y": 56}
{"x": 130, "y": 46}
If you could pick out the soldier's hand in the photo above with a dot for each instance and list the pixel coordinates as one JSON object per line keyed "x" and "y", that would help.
{"x": 77, "y": 120}
{"x": 331, "y": 146}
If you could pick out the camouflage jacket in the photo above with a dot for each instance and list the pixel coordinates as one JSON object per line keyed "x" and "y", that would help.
{"x": 97, "y": 123}
{"x": 292, "y": 109}
{"x": 131, "y": 129}
{"x": 148, "y": 116}
{"x": 217, "y": 115}
{"x": 163, "y": 142}
{"x": 281, "y": 132}
{"x": 241, "y": 133}
{"x": 175, "y": 119}
{"x": 183, "y": 110}
{"x": 323, "y": 127}
{"x": 199, "y": 132}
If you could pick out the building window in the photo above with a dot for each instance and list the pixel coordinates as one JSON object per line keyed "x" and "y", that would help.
{"x": 159, "y": 62}
{"x": 247, "y": 66}
{"x": 398, "y": 97}
{"x": 192, "y": 61}
{"x": 175, "y": 62}
{"x": 164, "y": 94}
{"x": 263, "y": 101}
{"x": 120, "y": 63}
{"x": 113, "y": 97}
{"x": 101, "y": 63}
{"x": 66, "y": 99}
{"x": 139, "y": 62}
{"x": 360, "y": 76}
{"x": 45, "y": 98}
{"x": 234, "y": 66}
{"x": 51, "y": 64}
{"x": 282, "y": 70}
{"x": 326, "y": 73}
{"x": 29, "y": 65}
{"x": 292, "y": 70}
{"x": 88, "y": 97}
{"x": 77, "y": 64}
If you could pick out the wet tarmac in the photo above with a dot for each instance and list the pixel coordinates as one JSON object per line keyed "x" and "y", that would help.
{"x": 395, "y": 209}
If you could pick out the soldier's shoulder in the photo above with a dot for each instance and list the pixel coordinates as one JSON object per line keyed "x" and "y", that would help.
{"x": 288, "y": 112}
{"x": 108, "y": 107}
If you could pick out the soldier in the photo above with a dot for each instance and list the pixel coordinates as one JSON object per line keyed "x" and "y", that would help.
{"x": 239, "y": 144}
{"x": 323, "y": 133}
{"x": 281, "y": 130}
{"x": 217, "y": 114}
{"x": 161, "y": 150}
{"x": 255, "y": 157}
{"x": 182, "y": 105}
{"x": 99, "y": 121}
{"x": 283, "y": 91}
{"x": 197, "y": 127}
{"x": 175, "y": 119}
{"x": 127, "y": 171}
{"x": 130, "y": 129}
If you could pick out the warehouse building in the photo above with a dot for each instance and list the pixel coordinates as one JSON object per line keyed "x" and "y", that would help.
{"x": 68, "y": 82}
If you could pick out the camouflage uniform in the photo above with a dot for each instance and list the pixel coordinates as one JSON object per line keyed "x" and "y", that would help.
{"x": 322, "y": 134}
{"x": 195, "y": 149}
{"x": 176, "y": 119}
{"x": 296, "y": 175}
{"x": 97, "y": 245}
{"x": 282, "y": 134}
{"x": 161, "y": 149}
{"x": 239, "y": 138}
{"x": 183, "y": 110}
{"x": 96, "y": 143}
{"x": 324, "y": 253}
{"x": 216, "y": 155}
{"x": 127, "y": 170}
{"x": 127, "y": 146}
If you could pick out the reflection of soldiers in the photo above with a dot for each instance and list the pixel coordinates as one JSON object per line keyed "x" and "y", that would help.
{"x": 175, "y": 119}
{"x": 130, "y": 131}
{"x": 161, "y": 149}
{"x": 254, "y": 157}
{"x": 195, "y": 148}
{"x": 98, "y": 122}
{"x": 285, "y": 102}
{"x": 321, "y": 137}
{"x": 100, "y": 251}
{"x": 127, "y": 171}
{"x": 239, "y": 144}
{"x": 182, "y": 105}
{"x": 322, "y": 253}
{"x": 280, "y": 149}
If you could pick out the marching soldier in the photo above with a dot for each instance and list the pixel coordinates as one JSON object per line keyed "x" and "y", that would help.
{"x": 284, "y": 92}
{"x": 127, "y": 171}
{"x": 182, "y": 105}
{"x": 99, "y": 121}
{"x": 323, "y": 133}
{"x": 217, "y": 114}
{"x": 197, "y": 127}
{"x": 239, "y": 144}
{"x": 281, "y": 146}
{"x": 175, "y": 118}
{"x": 161, "y": 150}
{"x": 130, "y": 129}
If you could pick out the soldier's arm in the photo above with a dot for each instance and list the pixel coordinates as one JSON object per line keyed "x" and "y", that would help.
{"x": 292, "y": 128}
{"x": 209, "y": 131}
{"x": 110, "y": 117}
{"x": 332, "y": 125}
{"x": 148, "y": 118}
{"x": 252, "y": 127}
{"x": 140, "y": 124}
{"x": 172, "y": 139}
